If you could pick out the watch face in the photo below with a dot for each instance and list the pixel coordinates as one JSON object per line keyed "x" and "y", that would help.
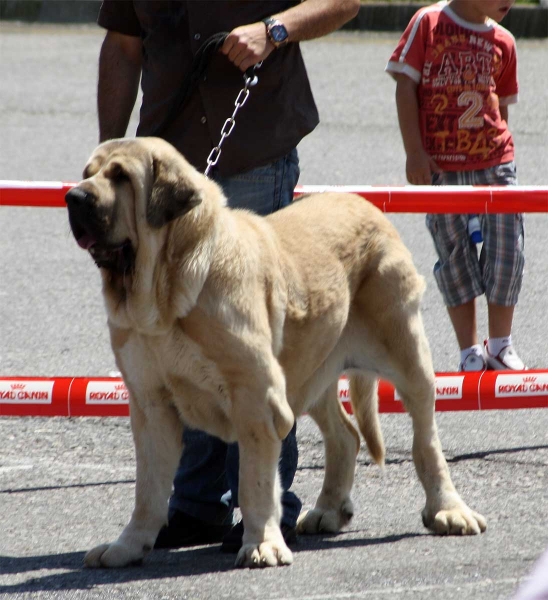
{"x": 278, "y": 33}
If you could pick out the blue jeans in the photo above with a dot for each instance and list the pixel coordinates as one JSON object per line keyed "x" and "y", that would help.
{"x": 206, "y": 482}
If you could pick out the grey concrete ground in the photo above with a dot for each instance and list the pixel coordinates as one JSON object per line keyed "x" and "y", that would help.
{"x": 67, "y": 484}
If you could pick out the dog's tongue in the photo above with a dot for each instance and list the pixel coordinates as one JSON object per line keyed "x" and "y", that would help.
{"x": 86, "y": 241}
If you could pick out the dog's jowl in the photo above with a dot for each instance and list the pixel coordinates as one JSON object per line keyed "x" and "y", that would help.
{"x": 237, "y": 324}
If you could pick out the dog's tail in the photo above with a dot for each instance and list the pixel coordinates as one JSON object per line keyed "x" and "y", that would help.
{"x": 365, "y": 405}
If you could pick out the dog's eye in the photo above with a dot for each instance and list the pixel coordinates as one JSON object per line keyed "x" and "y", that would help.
{"x": 91, "y": 169}
{"x": 120, "y": 177}
{"x": 117, "y": 173}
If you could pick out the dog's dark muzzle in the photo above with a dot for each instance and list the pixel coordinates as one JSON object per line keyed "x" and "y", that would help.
{"x": 78, "y": 197}
{"x": 86, "y": 228}
{"x": 80, "y": 205}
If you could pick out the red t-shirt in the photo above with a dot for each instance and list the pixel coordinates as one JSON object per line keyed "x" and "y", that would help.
{"x": 464, "y": 71}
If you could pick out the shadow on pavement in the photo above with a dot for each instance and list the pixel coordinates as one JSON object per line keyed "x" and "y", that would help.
{"x": 486, "y": 453}
{"x": 47, "y": 488}
{"x": 161, "y": 564}
{"x": 158, "y": 565}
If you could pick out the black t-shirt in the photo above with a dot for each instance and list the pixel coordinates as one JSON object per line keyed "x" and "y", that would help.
{"x": 280, "y": 109}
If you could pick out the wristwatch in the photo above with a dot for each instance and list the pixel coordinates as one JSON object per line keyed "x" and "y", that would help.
{"x": 276, "y": 32}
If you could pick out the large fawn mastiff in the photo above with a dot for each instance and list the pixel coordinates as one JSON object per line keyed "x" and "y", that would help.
{"x": 236, "y": 324}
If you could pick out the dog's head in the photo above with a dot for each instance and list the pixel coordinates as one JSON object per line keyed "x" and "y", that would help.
{"x": 131, "y": 187}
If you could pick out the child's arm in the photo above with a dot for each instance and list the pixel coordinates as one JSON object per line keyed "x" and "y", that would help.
{"x": 504, "y": 113}
{"x": 419, "y": 166}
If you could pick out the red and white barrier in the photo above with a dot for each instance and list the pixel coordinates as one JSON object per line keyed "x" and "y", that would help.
{"x": 403, "y": 199}
{"x": 63, "y": 397}
{"x": 447, "y": 198}
{"x": 45, "y": 194}
{"x": 95, "y": 396}
{"x": 486, "y": 390}
{"x": 109, "y": 397}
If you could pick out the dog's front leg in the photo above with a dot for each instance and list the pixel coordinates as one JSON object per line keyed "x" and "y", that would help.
{"x": 157, "y": 435}
{"x": 259, "y": 438}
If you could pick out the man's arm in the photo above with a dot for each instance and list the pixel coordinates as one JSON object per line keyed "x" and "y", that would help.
{"x": 315, "y": 18}
{"x": 120, "y": 63}
{"x": 247, "y": 45}
{"x": 419, "y": 166}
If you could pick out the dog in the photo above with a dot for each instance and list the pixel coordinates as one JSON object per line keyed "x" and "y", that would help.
{"x": 236, "y": 324}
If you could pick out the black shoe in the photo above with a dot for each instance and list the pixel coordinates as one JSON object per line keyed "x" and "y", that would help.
{"x": 232, "y": 542}
{"x": 185, "y": 530}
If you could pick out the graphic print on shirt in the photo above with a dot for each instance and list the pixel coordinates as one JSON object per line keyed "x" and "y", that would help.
{"x": 459, "y": 105}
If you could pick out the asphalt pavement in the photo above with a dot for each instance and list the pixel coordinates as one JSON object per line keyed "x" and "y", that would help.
{"x": 67, "y": 484}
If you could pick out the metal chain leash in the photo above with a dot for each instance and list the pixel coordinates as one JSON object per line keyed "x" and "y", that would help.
{"x": 250, "y": 80}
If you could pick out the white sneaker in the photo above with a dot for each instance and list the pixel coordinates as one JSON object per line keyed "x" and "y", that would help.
{"x": 473, "y": 362}
{"x": 507, "y": 360}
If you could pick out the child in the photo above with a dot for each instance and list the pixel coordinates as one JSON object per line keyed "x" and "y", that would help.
{"x": 456, "y": 74}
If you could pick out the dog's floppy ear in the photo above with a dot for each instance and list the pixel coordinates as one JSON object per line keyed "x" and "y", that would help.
{"x": 173, "y": 194}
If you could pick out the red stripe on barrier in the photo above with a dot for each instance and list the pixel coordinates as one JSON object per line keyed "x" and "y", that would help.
{"x": 403, "y": 199}
{"x": 446, "y": 199}
{"x": 45, "y": 194}
{"x": 108, "y": 397}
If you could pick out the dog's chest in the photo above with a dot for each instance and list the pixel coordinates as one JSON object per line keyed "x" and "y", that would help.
{"x": 181, "y": 360}
{"x": 178, "y": 365}
{"x": 174, "y": 368}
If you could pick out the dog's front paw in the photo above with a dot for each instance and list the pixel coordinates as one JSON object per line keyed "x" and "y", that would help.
{"x": 113, "y": 556}
{"x": 320, "y": 520}
{"x": 455, "y": 521}
{"x": 267, "y": 554}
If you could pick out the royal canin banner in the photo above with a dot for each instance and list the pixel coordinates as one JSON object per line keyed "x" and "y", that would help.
{"x": 109, "y": 397}
{"x": 487, "y": 390}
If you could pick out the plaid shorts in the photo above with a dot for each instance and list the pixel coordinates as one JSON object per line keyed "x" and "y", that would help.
{"x": 497, "y": 272}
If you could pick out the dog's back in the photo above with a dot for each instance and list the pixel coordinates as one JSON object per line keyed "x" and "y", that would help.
{"x": 342, "y": 227}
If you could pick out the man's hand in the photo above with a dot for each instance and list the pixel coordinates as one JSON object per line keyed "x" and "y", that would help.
{"x": 419, "y": 168}
{"x": 247, "y": 45}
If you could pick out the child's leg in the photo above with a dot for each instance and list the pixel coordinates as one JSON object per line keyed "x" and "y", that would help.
{"x": 458, "y": 274}
{"x": 499, "y": 352}
{"x": 500, "y": 320}
{"x": 464, "y": 322}
{"x": 459, "y": 280}
{"x": 503, "y": 262}
{"x": 502, "y": 259}
{"x": 463, "y": 318}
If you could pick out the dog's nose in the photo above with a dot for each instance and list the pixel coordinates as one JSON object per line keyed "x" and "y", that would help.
{"x": 78, "y": 197}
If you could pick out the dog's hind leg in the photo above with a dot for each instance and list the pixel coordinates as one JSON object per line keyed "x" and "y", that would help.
{"x": 157, "y": 432}
{"x": 410, "y": 370}
{"x": 333, "y": 508}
